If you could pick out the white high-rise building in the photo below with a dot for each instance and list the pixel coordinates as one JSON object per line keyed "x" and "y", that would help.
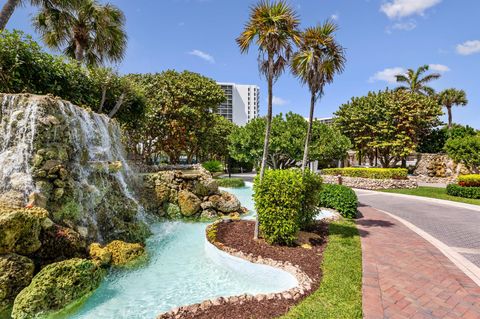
{"x": 242, "y": 102}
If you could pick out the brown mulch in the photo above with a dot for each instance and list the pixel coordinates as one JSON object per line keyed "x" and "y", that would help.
{"x": 239, "y": 235}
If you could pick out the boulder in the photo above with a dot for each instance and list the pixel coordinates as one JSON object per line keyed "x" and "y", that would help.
{"x": 189, "y": 203}
{"x": 205, "y": 187}
{"x": 20, "y": 229}
{"x": 226, "y": 202}
{"x": 117, "y": 253}
{"x": 57, "y": 286}
{"x": 172, "y": 210}
{"x": 162, "y": 193}
{"x": 16, "y": 272}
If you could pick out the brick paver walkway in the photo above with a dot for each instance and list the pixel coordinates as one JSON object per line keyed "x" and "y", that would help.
{"x": 404, "y": 276}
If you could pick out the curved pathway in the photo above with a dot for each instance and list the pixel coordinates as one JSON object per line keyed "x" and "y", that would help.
{"x": 405, "y": 242}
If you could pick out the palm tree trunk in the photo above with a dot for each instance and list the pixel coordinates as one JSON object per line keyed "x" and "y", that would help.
{"x": 309, "y": 132}
{"x": 267, "y": 129}
{"x": 7, "y": 11}
{"x": 449, "y": 109}
{"x": 79, "y": 51}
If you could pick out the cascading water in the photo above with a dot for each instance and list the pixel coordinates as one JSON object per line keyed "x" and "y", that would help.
{"x": 74, "y": 159}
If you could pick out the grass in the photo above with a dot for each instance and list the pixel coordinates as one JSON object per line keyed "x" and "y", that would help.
{"x": 433, "y": 192}
{"x": 230, "y": 182}
{"x": 340, "y": 292}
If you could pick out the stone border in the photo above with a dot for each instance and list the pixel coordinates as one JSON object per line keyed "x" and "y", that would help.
{"x": 370, "y": 183}
{"x": 304, "y": 286}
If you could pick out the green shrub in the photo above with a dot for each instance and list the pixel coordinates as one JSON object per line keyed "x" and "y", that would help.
{"x": 465, "y": 192}
{"x": 376, "y": 173}
{"x": 472, "y": 180}
{"x": 465, "y": 150}
{"x": 285, "y": 201}
{"x": 341, "y": 198}
{"x": 231, "y": 182}
{"x": 213, "y": 166}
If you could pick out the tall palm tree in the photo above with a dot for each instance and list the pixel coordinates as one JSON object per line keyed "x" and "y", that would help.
{"x": 87, "y": 31}
{"x": 451, "y": 97}
{"x": 318, "y": 59}
{"x": 273, "y": 26}
{"x": 10, "y": 6}
{"x": 414, "y": 82}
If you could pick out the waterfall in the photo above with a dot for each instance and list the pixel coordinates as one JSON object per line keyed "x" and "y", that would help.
{"x": 74, "y": 158}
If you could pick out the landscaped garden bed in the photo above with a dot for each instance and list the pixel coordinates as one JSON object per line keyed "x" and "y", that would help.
{"x": 468, "y": 187}
{"x": 369, "y": 178}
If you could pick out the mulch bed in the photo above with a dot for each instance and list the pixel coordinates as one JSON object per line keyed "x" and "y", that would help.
{"x": 239, "y": 235}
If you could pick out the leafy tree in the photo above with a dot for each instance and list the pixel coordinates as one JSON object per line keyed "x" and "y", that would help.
{"x": 391, "y": 123}
{"x": 86, "y": 30}
{"x": 465, "y": 150}
{"x": 451, "y": 97}
{"x": 434, "y": 142}
{"x": 318, "y": 59}
{"x": 180, "y": 109}
{"x": 214, "y": 142}
{"x": 415, "y": 83}
{"x": 274, "y": 28}
{"x": 328, "y": 145}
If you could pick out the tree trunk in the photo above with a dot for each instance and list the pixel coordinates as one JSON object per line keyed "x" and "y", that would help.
{"x": 79, "y": 52}
{"x": 117, "y": 106}
{"x": 7, "y": 11}
{"x": 267, "y": 129}
{"x": 449, "y": 109}
{"x": 309, "y": 132}
{"x": 104, "y": 96}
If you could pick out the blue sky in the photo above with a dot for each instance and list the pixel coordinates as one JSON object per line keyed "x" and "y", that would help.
{"x": 382, "y": 37}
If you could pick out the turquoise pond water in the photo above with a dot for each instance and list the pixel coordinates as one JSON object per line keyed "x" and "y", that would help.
{"x": 183, "y": 269}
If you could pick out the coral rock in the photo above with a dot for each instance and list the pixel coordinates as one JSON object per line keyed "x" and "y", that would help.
{"x": 188, "y": 202}
{"x": 16, "y": 272}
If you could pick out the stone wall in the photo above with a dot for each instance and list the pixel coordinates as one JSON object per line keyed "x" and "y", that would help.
{"x": 439, "y": 166}
{"x": 187, "y": 193}
{"x": 370, "y": 183}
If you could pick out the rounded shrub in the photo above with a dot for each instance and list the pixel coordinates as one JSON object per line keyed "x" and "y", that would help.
{"x": 285, "y": 201}
{"x": 213, "y": 166}
{"x": 341, "y": 198}
{"x": 466, "y": 192}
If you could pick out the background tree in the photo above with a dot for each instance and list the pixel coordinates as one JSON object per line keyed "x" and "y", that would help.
{"x": 274, "y": 28}
{"x": 450, "y": 97}
{"x": 434, "y": 141}
{"x": 328, "y": 145}
{"x": 391, "y": 123}
{"x": 86, "y": 30}
{"x": 215, "y": 140}
{"x": 415, "y": 83}
{"x": 465, "y": 150}
{"x": 318, "y": 59}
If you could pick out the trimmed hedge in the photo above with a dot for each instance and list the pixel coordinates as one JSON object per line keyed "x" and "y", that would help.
{"x": 375, "y": 173}
{"x": 213, "y": 166}
{"x": 230, "y": 182}
{"x": 465, "y": 192}
{"x": 472, "y": 180}
{"x": 285, "y": 201}
{"x": 341, "y": 198}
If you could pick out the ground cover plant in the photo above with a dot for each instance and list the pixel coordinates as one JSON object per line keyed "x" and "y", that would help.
{"x": 230, "y": 182}
{"x": 341, "y": 198}
{"x": 376, "y": 173}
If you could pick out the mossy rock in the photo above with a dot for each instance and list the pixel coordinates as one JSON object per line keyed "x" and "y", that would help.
{"x": 57, "y": 286}
{"x": 172, "y": 211}
{"x": 117, "y": 253}
{"x": 20, "y": 229}
{"x": 189, "y": 203}
{"x": 16, "y": 272}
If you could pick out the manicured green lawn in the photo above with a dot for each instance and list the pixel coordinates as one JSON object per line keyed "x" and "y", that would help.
{"x": 340, "y": 292}
{"x": 433, "y": 192}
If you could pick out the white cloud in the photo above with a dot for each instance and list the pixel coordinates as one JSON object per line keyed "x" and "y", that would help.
{"x": 387, "y": 75}
{"x": 469, "y": 47}
{"x": 202, "y": 55}
{"x": 404, "y": 8}
{"x": 334, "y": 17}
{"x": 278, "y": 101}
{"x": 404, "y": 26}
{"x": 439, "y": 68}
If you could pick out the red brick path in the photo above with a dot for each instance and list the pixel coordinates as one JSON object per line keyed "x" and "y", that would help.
{"x": 404, "y": 276}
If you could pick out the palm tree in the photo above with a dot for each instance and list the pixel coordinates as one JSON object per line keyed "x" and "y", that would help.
{"x": 415, "y": 82}
{"x": 87, "y": 31}
{"x": 318, "y": 59}
{"x": 273, "y": 26}
{"x": 10, "y": 6}
{"x": 451, "y": 97}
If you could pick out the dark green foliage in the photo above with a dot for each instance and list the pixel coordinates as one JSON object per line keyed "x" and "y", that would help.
{"x": 231, "y": 182}
{"x": 465, "y": 150}
{"x": 341, "y": 198}
{"x": 376, "y": 173}
{"x": 435, "y": 141}
{"x": 285, "y": 201}
{"x": 465, "y": 192}
{"x": 213, "y": 166}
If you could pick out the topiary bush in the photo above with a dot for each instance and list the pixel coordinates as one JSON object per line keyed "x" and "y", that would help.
{"x": 341, "y": 198}
{"x": 472, "y": 180}
{"x": 375, "y": 173}
{"x": 285, "y": 201}
{"x": 231, "y": 182}
{"x": 213, "y": 166}
{"x": 466, "y": 192}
